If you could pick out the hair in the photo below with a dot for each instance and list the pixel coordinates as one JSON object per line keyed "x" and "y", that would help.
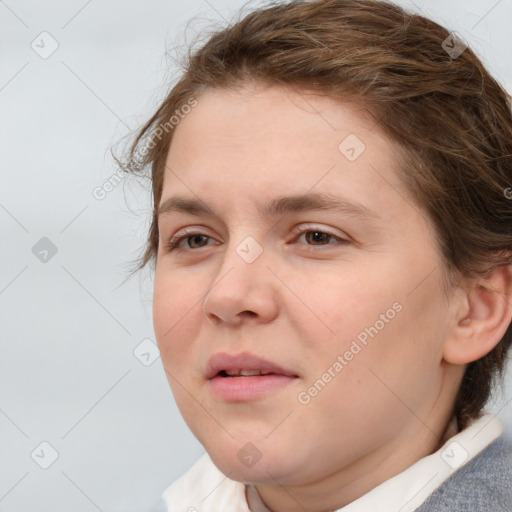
{"x": 449, "y": 119}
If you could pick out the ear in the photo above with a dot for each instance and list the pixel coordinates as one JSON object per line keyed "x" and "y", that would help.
{"x": 483, "y": 316}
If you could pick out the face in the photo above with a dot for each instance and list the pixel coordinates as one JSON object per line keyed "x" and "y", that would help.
{"x": 341, "y": 303}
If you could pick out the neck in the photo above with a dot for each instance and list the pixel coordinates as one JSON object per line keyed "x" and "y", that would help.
{"x": 337, "y": 490}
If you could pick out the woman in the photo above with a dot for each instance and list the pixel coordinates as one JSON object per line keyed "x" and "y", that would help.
{"x": 331, "y": 237}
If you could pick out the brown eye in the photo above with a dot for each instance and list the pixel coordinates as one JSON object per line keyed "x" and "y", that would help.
{"x": 194, "y": 239}
{"x": 317, "y": 237}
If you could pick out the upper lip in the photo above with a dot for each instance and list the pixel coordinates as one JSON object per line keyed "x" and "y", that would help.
{"x": 223, "y": 361}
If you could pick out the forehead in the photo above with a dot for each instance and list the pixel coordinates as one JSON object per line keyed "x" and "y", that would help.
{"x": 261, "y": 142}
{"x": 270, "y": 120}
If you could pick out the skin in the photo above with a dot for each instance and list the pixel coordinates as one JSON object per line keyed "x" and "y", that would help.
{"x": 301, "y": 303}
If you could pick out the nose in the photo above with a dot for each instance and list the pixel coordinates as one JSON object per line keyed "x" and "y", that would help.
{"x": 243, "y": 287}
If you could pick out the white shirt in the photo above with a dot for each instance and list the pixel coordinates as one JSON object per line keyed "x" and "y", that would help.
{"x": 203, "y": 488}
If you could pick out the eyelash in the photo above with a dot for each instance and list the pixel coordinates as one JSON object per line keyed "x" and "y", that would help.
{"x": 175, "y": 241}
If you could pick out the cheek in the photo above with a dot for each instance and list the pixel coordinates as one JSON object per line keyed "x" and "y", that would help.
{"x": 175, "y": 306}
{"x": 375, "y": 315}
{"x": 342, "y": 304}
{"x": 404, "y": 356}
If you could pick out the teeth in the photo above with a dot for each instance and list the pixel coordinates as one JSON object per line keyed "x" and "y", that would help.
{"x": 245, "y": 373}
{"x": 250, "y": 372}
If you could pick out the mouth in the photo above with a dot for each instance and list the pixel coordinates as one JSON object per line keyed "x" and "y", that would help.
{"x": 244, "y": 377}
{"x": 243, "y": 365}
{"x": 244, "y": 373}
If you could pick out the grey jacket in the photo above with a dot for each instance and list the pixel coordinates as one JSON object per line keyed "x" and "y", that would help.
{"x": 484, "y": 484}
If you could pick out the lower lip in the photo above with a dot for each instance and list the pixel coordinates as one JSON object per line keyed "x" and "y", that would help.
{"x": 240, "y": 389}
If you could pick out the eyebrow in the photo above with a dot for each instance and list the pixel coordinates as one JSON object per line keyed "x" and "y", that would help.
{"x": 280, "y": 205}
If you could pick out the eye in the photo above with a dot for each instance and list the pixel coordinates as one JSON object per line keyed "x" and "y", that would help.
{"x": 316, "y": 236}
{"x": 196, "y": 239}
{"x": 192, "y": 236}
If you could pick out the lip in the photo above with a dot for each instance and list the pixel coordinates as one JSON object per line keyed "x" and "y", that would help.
{"x": 244, "y": 388}
{"x": 243, "y": 361}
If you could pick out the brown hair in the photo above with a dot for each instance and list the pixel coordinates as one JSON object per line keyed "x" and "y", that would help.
{"x": 451, "y": 122}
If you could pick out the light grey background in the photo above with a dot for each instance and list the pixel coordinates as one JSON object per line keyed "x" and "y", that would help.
{"x": 69, "y": 327}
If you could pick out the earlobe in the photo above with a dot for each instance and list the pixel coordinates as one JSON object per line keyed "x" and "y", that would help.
{"x": 484, "y": 317}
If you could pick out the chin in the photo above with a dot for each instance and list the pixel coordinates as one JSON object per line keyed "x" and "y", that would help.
{"x": 258, "y": 471}
{"x": 255, "y": 462}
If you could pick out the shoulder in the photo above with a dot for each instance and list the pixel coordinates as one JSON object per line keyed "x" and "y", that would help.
{"x": 481, "y": 485}
{"x": 203, "y": 488}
